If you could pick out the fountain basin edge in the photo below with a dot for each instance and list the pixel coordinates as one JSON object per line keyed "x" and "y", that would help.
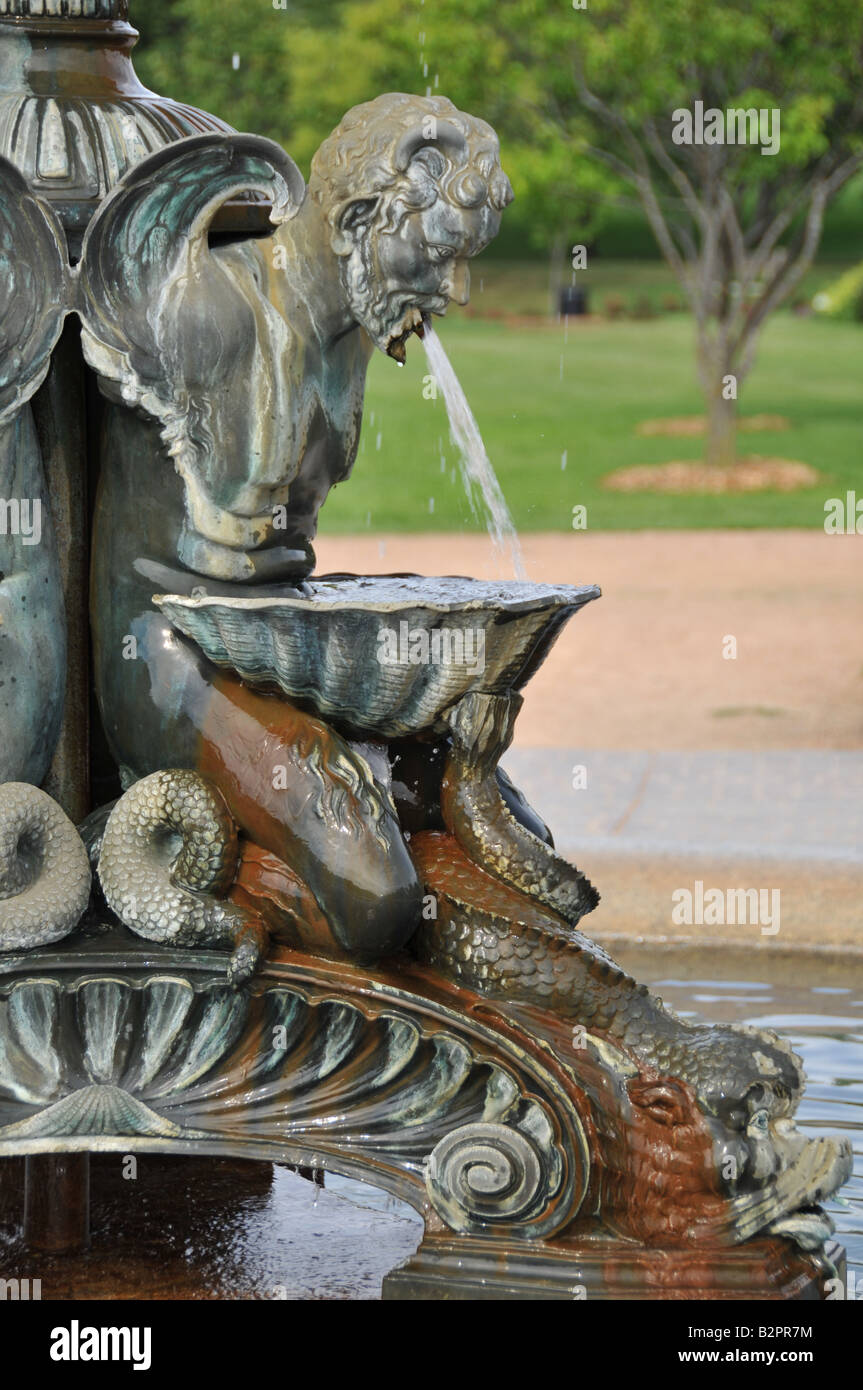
{"x": 363, "y": 650}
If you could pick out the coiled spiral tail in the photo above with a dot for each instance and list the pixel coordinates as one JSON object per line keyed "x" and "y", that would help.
{"x": 44, "y": 870}
{"x": 169, "y": 856}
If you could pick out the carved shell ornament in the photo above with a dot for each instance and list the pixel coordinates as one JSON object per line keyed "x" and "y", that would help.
{"x": 326, "y": 645}
{"x": 286, "y": 1070}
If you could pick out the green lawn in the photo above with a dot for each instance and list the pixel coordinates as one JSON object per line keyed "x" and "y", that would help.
{"x": 540, "y": 391}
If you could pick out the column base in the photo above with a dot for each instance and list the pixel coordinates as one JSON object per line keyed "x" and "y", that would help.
{"x": 446, "y": 1267}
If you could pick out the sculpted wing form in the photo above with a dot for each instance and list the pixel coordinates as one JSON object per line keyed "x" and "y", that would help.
{"x": 34, "y": 301}
{"x": 171, "y": 334}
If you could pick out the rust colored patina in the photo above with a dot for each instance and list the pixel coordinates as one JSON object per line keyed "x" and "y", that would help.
{"x": 299, "y": 792}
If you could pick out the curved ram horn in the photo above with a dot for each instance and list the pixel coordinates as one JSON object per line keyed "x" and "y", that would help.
{"x": 34, "y": 289}
{"x": 150, "y": 234}
{"x": 447, "y": 137}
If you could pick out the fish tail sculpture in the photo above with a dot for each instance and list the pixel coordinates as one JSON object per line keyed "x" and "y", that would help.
{"x": 169, "y": 855}
{"x": 477, "y": 816}
{"x": 297, "y": 792}
{"x": 44, "y": 869}
{"x": 508, "y": 906}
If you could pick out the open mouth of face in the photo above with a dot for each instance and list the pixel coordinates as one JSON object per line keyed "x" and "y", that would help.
{"x": 415, "y": 320}
{"x": 788, "y": 1205}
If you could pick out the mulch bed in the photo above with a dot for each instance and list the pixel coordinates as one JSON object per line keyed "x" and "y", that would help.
{"x": 752, "y": 474}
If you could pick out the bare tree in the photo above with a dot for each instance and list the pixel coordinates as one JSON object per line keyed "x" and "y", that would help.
{"x": 738, "y": 228}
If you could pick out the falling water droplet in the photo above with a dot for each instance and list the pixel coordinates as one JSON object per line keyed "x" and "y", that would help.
{"x": 480, "y": 481}
{"x": 235, "y": 62}
{"x": 431, "y": 504}
{"x": 369, "y": 515}
{"x": 382, "y": 548}
{"x": 378, "y": 440}
{"x": 563, "y": 460}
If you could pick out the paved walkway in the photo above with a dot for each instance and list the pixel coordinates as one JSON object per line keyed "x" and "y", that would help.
{"x": 643, "y": 667}
{"x": 649, "y": 824}
{"x": 800, "y": 805}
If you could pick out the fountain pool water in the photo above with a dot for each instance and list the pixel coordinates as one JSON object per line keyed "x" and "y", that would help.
{"x": 480, "y": 480}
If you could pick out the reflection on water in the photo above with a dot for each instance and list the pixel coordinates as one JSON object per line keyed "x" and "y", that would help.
{"x": 198, "y": 1228}
{"x": 825, "y": 1026}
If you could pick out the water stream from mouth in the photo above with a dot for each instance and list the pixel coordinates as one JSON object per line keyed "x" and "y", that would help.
{"x": 487, "y": 502}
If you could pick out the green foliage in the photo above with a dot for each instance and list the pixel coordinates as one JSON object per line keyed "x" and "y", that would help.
{"x": 187, "y": 50}
{"x": 648, "y": 57}
{"x": 514, "y": 62}
{"x": 844, "y": 297}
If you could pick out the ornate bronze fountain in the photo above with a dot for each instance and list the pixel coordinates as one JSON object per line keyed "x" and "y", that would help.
{"x": 322, "y": 927}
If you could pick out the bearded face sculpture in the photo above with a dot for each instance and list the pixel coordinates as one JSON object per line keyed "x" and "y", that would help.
{"x": 251, "y": 358}
{"x": 430, "y": 204}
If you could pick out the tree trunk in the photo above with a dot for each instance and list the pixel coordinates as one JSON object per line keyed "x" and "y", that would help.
{"x": 717, "y": 377}
{"x": 721, "y": 430}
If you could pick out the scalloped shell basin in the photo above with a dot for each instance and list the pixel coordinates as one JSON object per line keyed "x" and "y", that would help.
{"x": 383, "y": 654}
